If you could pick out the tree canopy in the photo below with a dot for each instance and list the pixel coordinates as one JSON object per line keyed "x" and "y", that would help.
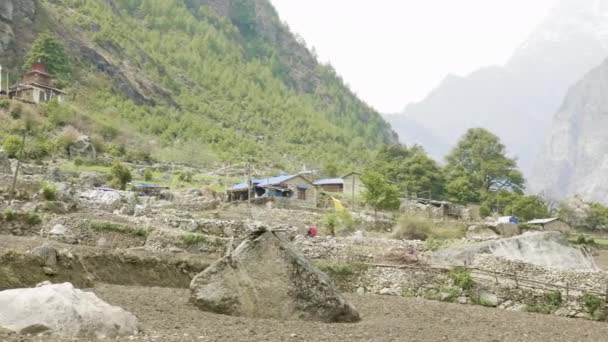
{"x": 379, "y": 193}
{"x": 50, "y": 51}
{"x": 478, "y": 166}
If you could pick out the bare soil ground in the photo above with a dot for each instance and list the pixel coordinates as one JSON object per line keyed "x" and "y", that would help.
{"x": 166, "y": 315}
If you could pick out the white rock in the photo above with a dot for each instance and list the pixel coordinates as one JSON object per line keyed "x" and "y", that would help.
{"x": 64, "y": 311}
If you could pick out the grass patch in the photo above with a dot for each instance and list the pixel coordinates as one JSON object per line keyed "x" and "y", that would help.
{"x": 193, "y": 239}
{"x": 421, "y": 228}
{"x": 118, "y": 228}
{"x": 342, "y": 272}
{"x": 550, "y": 302}
{"x": 31, "y": 218}
{"x": 49, "y": 191}
{"x": 461, "y": 278}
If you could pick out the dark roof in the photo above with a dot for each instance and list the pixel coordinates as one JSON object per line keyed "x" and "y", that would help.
{"x": 330, "y": 181}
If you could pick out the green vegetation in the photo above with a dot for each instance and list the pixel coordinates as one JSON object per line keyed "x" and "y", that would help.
{"x": 193, "y": 238}
{"x": 421, "y": 228}
{"x": 121, "y": 175}
{"x": 550, "y": 302}
{"x": 478, "y": 166}
{"x": 148, "y": 175}
{"x": 49, "y": 191}
{"x": 461, "y": 278}
{"x": 342, "y": 271}
{"x": 29, "y": 218}
{"x": 337, "y": 222}
{"x": 379, "y": 193}
{"x": 201, "y": 87}
{"x": 12, "y": 145}
{"x": 9, "y": 215}
{"x": 594, "y": 306}
{"x": 49, "y": 50}
{"x": 185, "y": 176}
{"x": 117, "y": 228}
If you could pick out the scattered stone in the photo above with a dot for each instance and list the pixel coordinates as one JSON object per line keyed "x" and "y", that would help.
{"x": 63, "y": 311}
{"x": 47, "y": 255}
{"x": 361, "y": 291}
{"x": 562, "y": 312}
{"x": 49, "y": 271}
{"x": 389, "y": 292}
{"x": 488, "y": 298}
{"x": 61, "y": 233}
{"x": 463, "y": 300}
{"x": 265, "y": 277}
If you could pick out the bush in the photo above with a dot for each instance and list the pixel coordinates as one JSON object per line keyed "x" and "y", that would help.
{"x": 338, "y": 222}
{"x": 193, "y": 239}
{"x": 461, "y": 278}
{"x": 413, "y": 228}
{"x": 49, "y": 191}
{"x": 9, "y": 215}
{"x": 12, "y": 145}
{"x": 116, "y": 150}
{"x": 78, "y": 162}
{"x": 591, "y": 302}
{"x": 17, "y": 111}
{"x": 185, "y": 176}
{"x": 484, "y": 211}
{"x": 121, "y": 175}
{"x": 4, "y": 104}
{"x": 148, "y": 175}
{"x": 117, "y": 228}
{"x": 33, "y": 219}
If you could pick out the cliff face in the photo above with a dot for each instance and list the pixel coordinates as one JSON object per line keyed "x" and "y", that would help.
{"x": 574, "y": 159}
{"x": 17, "y": 20}
{"x": 515, "y": 101}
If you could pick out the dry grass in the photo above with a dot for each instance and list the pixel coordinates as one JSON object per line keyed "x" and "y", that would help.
{"x": 420, "y": 228}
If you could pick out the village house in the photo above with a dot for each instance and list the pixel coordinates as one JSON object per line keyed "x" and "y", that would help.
{"x": 282, "y": 188}
{"x": 352, "y": 184}
{"x": 330, "y": 185}
{"x": 37, "y": 86}
{"x": 551, "y": 224}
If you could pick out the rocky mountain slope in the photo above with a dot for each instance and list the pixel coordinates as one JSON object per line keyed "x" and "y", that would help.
{"x": 574, "y": 159}
{"x": 198, "y": 80}
{"x": 515, "y": 101}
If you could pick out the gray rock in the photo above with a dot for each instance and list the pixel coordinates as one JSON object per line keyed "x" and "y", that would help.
{"x": 507, "y": 229}
{"x": 389, "y": 292}
{"x": 63, "y": 311}
{"x": 488, "y": 298}
{"x": 61, "y": 233}
{"x": 360, "y": 291}
{"x": 265, "y": 277}
{"x": 562, "y": 312}
{"x": 49, "y": 271}
{"x": 47, "y": 255}
{"x": 463, "y": 300}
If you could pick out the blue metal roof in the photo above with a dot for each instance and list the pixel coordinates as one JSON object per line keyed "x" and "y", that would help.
{"x": 263, "y": 182}
{"x": 329, "y": 181}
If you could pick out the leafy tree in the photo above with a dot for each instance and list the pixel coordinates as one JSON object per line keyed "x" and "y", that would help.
{"x": 331, "y": 169}
{"x": 378, "y": 193}
{"x": 50, "y": 51}
{"x": 121, "y": 175}
{"x": 412, "y": 170}
{"x": 597, "y": 217}
{"x": 528, "y": 208}
{"x": 479, "y": 162}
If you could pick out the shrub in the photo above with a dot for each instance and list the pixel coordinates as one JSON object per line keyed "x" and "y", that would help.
{"x": 117, "y": 228}
{"x": 461, "y": 278}
{"x": 591, "y": 302}
{"x": 12, "y": 145}
{"x": 553, "y": 298}
{"x": 78, "y": 162}
{"x": 4, "y": 104}
{"x": 337, "y": 222}
{"x": 49, "y": 191}
{"x": 185, "y": 176}
{"x": 33, "y": 219}
{"x": 116, "y": 150}
{"x": 581, "y": 240}
{"x": 16, "y": 111}
{"x": 193, "y": 238}
{"x": 148, "y": 175}
{"x": 9, "y": 215}
{"x": 413, "y": 228}
{"x": 484, "y": 211}
{"x": 121, "y": 175}
{"x": 342, "y": 270}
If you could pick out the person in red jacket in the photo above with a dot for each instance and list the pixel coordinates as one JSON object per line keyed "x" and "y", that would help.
{"x": 312, "y": 232}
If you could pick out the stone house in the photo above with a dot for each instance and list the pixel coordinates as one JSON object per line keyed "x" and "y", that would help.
{"x": 551, "y": 224}
{"x": 330, "y": 185}
{"x": 352, "y": 184}
{"x": 37, "y": 86}
{"x": 288, "y": 188}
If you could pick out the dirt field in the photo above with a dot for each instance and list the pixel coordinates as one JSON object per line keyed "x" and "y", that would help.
{"x": 165, "y": 315}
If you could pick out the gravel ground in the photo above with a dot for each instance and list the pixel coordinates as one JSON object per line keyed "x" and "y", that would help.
{"x": 165, "y": 315}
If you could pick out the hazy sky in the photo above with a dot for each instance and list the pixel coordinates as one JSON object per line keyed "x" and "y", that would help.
{"x": 392, "y": 52}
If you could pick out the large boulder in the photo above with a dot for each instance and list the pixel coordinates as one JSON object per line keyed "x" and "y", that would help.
{"x": 61, "y": 310}
{"x": 265, "y": 277}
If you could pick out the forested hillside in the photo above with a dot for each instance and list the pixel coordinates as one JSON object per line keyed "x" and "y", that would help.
{"x": 201, "y": 80}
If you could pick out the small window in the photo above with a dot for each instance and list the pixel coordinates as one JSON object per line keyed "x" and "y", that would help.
{"x": 302, "y": 194}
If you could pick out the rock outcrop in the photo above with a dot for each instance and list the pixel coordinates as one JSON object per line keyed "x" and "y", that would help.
{"x": 16, "y": 28}
{"x": 63, "y": 311}
{"x": 265, "y": 277}
{"x": 574, "y": 159}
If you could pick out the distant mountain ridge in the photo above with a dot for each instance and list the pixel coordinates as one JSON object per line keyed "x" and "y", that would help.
{"x": 574, "y": 159}
{"x": 515, "y": 101}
